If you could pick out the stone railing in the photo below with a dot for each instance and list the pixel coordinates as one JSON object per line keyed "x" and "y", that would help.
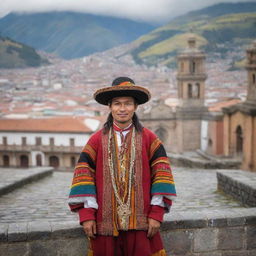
{"x": 241, "y": 185}
{"x": 198, "y": 233}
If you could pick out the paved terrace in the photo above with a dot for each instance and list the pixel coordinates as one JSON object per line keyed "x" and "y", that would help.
{"x": 46, "y": 199}
{"x": 11, "y": 179}
{"x": 35, "y": 219}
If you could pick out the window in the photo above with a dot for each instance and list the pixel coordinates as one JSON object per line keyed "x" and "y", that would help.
{"x": 38, "y": 160}
{"x": 192, "y": 67}
{"x": 24, "y": 141}
{"x": 24, "y": 161}
{"x": 72, "y": 161}
{"x": 38, "y": 141}
{"x": 54, "y": 161}
{"x": 190, "y": 91}
{"x": 197, "y": 91}
{"x": 72, "y": 142}
{"x": 239, "y": 140}
{"x": 6, "y": 161}
{"x": 5, "y": 141}
{"x": 51, "y": 141}
{"x": 253, "y": 79}
{"x": 182, "y": 66}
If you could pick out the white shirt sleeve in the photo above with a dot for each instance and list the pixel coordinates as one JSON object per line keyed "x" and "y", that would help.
{"x": 90, "y": 202}
{"x": 159, "y": 200}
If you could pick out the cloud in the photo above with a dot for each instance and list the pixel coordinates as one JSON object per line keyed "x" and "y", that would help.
{"x": 157, "y": 11}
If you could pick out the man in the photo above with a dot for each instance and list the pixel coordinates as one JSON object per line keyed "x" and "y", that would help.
{"x": 122, "y": 182}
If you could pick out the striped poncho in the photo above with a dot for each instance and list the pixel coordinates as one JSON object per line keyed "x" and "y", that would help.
{"x": 152, "y": 176}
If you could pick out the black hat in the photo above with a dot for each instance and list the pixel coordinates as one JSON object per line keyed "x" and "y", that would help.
{"x": 122, "y": 87}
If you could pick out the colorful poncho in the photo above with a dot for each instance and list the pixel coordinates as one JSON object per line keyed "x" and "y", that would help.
{"x": 151, "y": 176}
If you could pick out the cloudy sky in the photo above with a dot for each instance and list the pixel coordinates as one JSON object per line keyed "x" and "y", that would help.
{"x": 159, "y": 11}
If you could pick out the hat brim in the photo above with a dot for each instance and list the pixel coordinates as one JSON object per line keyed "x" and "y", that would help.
{"x": 105, "y": 95}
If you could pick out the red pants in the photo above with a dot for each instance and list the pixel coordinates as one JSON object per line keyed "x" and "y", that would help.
{"x": 128, "y": 243}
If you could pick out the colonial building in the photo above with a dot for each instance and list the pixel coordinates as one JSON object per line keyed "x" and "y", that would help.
{"x": 240, "y": 120}
{"x": 226, "y": 129}
{"x": 55, "y": 141}
{"x": 212, "y": 129}
{"x": 180, "y": 128}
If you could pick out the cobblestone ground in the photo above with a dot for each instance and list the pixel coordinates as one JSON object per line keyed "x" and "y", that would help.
{"x": 197, "y": 188}
{"x": 47, "y": 198}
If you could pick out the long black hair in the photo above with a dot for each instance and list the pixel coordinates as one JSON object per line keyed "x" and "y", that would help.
{"x": 136, "y": 122}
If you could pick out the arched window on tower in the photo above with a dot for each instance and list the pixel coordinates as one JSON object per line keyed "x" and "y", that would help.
{"x": 192, "y": 66}
{"x": 190, "y": 91}
{"x": 182, "y": 66}
{"x": 196, "y": 92}
{"x": 253, "y": 79}
{"x": 251, "y": 58}
{"x": 239, "y": 140}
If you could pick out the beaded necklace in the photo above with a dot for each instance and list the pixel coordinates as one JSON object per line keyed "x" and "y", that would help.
{"x": 123, "y": 208}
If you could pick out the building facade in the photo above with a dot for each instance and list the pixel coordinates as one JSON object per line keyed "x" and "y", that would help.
{"x": 240, "y": 120}
{"x": 228, "y": 129}
{"x": 53, "y": 142}
{"x": 175, "y": 127}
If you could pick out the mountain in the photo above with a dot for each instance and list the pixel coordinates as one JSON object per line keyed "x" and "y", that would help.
{"x": 69, "y": 34}
{"x": 18, "y": 55}
{"x": 218, "y": 28}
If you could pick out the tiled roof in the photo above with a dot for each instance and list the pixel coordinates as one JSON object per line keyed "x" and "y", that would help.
{"x": 217, "y": 107}
{"x": 54, "y": 124}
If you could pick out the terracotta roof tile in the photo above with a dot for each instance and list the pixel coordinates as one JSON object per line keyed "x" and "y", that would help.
{"x": 55, "y": 124}
{"x": 217, "y": 107}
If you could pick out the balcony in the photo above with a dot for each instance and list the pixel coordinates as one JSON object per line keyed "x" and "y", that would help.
{"x": 42, "y": 148}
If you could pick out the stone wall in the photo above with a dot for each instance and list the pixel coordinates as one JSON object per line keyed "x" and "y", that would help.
{"x": 218, "y": 233}
{"x": 241, "y": 185}
{"x": 42, "y": 239}
{"x": 201, "y": 233}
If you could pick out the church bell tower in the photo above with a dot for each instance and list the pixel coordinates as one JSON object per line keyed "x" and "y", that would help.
{"x": 191, "y": 79}
{"x": 191, "y": 76}
{"x": 251, "y": 73}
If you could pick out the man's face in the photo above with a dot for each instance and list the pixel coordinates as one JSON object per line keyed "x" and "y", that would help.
{"x": 122, "y": 109}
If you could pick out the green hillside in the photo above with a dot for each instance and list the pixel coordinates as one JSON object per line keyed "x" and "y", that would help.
{"x": 17, "y": 55}
{"x": 213, "y": 34}
{"x": 70, "y": 34}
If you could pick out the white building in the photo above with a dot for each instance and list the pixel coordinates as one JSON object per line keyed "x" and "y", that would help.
{"x": 55, "y": 141}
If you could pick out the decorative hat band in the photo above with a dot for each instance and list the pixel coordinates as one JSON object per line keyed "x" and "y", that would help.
{"x": 122, "y": 87}
{"x": 126, "y": 83}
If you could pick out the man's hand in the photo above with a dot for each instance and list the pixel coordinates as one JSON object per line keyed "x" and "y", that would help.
{"x": 153, "y": 227}
{"x": 90, "y": 228}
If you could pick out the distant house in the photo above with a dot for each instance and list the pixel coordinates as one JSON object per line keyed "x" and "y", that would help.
{"x": 55, "y": 141}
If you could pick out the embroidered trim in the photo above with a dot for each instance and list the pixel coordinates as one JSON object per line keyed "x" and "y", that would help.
{"x": 106, "y": 226}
